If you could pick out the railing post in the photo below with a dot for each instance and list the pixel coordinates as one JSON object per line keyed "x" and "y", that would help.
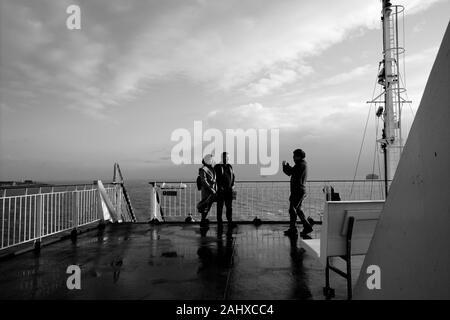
{"x": 118, "y": 196}
{"x": 155, "y": 215}
{"x": 39, "y": 206}
{"x": 75, "y": 198}
{"x": 99, "y": 209}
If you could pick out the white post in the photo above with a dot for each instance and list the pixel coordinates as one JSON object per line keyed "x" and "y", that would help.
{"x": 118, "y": 196}
{"x": 155, "y": 214}
{"x": 39, "y": 219}
{"x": 75, "y": 217}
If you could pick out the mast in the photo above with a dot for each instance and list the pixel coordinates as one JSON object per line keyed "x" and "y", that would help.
{"x": 389, "y": 78}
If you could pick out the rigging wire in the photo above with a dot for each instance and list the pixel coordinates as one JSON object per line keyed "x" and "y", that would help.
{"x": 365, "y": 130}
{"x": 404, "y": 45}
{"x": 403, "y": 84}
{"x": 374, "y": 156}
{"x": 360, "y": 149}
{"x": 380, "y": 184}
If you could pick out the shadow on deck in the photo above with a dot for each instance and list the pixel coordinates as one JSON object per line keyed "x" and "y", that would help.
{"x": 141, "y": 261}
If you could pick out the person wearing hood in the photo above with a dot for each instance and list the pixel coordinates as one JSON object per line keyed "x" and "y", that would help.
{"x": 208, "y": 188}
{"x": 225, "y": 187}
{"x": 298, "y": 174}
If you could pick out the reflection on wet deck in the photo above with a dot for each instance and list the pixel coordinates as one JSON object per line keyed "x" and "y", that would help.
{"x": 140, "y": 261}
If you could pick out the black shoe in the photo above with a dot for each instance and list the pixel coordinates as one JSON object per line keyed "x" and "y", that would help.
{"x": 311, "y": 221}
{"x": 291, "y": 232}
{"x": 307, "y": 229}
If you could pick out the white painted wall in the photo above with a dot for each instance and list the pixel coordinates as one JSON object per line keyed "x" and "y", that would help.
{"x": 412, "y": 240}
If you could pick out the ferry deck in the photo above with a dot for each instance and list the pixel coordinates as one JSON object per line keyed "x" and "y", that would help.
{"x": 173, "y": 261}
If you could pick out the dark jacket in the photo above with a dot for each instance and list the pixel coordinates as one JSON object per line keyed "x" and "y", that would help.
{"x": 208, "y": 178}
{"x": 224, "y": 176}
{"x": 298, "y": 174}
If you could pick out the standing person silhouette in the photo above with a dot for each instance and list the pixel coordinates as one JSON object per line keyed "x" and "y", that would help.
{"x": 298, "y": 174}
{"x": 207, "y": 178}
{"x": 225, "y": 185}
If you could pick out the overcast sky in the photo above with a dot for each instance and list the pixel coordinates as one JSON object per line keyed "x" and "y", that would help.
{"x": 73, "y": 102}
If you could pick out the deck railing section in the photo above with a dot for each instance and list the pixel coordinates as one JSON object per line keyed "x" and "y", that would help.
{"x": 30, "y": 214}
{"x": 268, "y": 201}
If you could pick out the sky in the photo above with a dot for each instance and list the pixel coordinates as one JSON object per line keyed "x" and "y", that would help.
{"x": 74, "y": 102}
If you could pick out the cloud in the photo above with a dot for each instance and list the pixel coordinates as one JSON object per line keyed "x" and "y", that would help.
{"x": 416, "y": 6}
{"x": 252, "y": 115}
{"x": 5, "y": 108}
{"x": 254, "y": 47}
{"x": 418, "y": 67}
{"x": 276, "y": 80}
{"x": 348, "y": 76}
{"x": 425, "y": 56}
{"x": 311, "y": 115}
{"x": 419, "y": 27}
{"x": 238, "y": 50}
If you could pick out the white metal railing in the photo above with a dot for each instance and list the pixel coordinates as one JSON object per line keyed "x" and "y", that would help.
{"x": 30, "y": 216}
{"x": 268, "y": 201}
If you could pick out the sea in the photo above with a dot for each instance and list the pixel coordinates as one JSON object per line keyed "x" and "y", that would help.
{"x": 264, "y": 200}
{"x": 256, "y": 199}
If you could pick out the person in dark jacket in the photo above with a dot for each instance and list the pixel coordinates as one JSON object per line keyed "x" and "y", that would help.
{"x": 225, "y": 186}
{"x": 208, "y": 189}
{"x": 298, "y": 174}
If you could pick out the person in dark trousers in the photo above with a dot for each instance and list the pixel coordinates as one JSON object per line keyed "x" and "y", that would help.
{"x": 225, "y": 185}
{"x": 208, "y": 188}
{"x": 298, "y": 175}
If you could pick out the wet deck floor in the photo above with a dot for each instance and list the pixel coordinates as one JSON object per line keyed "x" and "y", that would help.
{"x": 140, "y": 261}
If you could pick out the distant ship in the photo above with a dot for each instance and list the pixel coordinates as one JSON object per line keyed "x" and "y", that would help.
{"x": 372, "y": 176}
{"x": 23, "y": 183}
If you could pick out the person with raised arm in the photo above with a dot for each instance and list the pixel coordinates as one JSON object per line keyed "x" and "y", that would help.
{"x": 298, "y": 174}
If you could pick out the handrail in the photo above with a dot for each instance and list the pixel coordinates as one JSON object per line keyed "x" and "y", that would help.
{"x": 29, "y": 217}
{"x": 45, "y": 185}
{"x": 266, "y": 200}
{"x": 278, "y": 181}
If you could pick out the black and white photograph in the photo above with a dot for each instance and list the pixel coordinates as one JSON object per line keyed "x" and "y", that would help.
{"x": 224, "y": 158}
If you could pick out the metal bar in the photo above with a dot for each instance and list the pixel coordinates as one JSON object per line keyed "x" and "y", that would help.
{"x": 47, "y": 218}
{"x": 3, "y": 222}
{"x": 20, "y": 217}
{"x": 25, "y": 217}
{"x": 278, "y": 181}
{"x": 35, "y": 214}
{"x": 30, "y": 218}
{"x": 351, "y": 222}
{"x": 14, "y": 225}
{"x": 74, "y": 209}
{"x": 59, "y": 210}
{"x": 106, "y": 184}
{"x": 52, "y": 205}
{"x": 39, "y": 218}
{"x": 338, "y": 271}
{"x": 327, "y": 274}
{"x": 9, "y": 219}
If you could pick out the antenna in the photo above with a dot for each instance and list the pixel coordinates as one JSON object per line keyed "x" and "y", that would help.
{"x": 389, "y": 78}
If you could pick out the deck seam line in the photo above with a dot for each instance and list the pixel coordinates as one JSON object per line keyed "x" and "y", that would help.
{"x": 227, "y": 285}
